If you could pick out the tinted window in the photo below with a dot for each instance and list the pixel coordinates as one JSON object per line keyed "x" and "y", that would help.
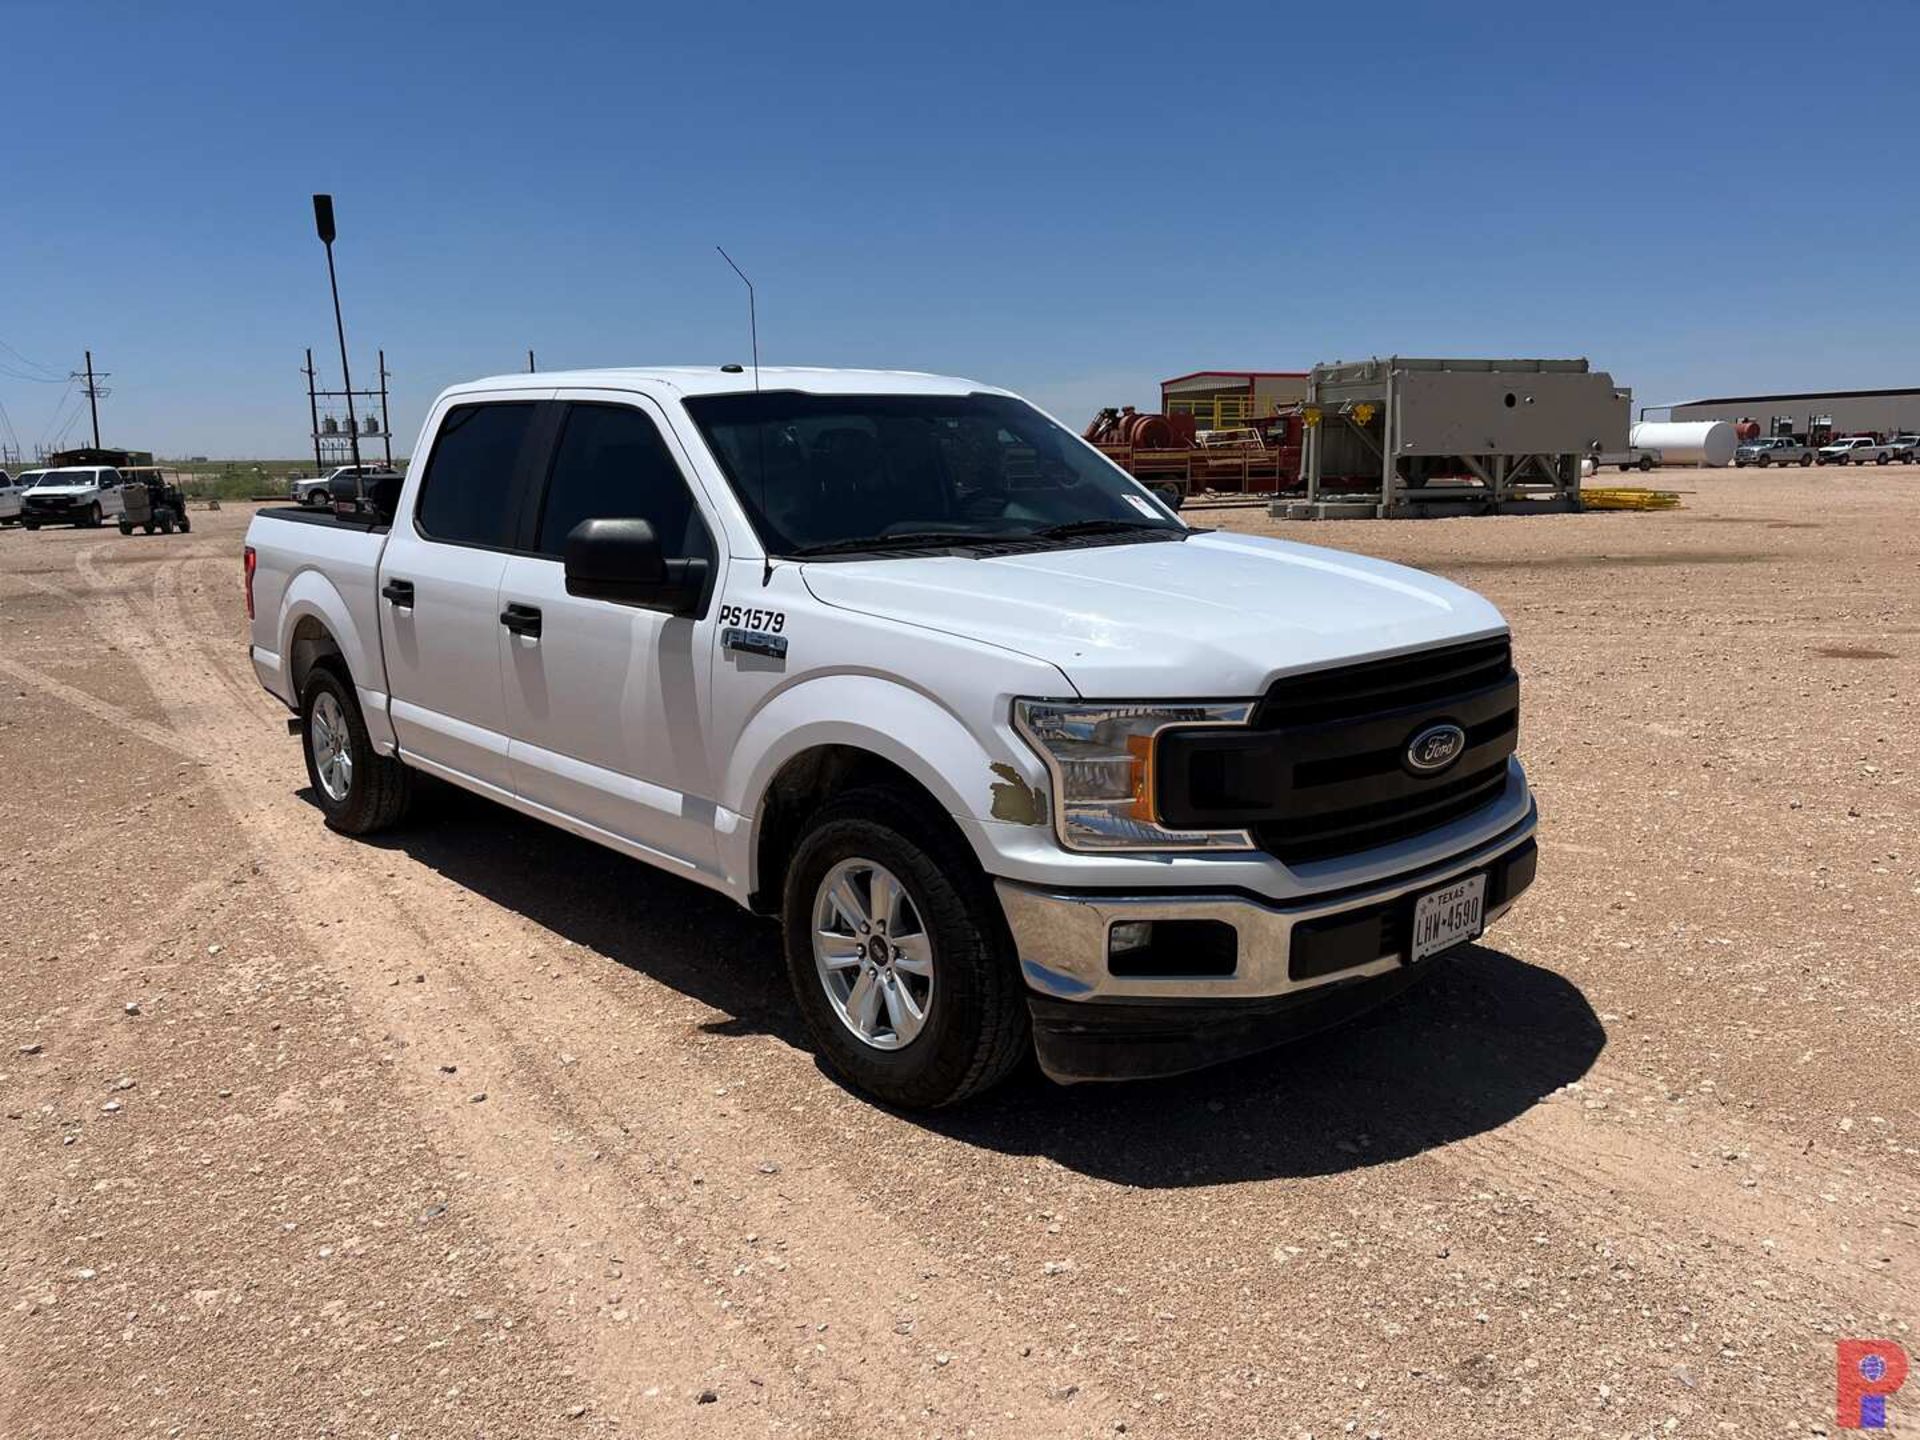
{"x": 466, "y": 496}
{"x": 612, "y": 464}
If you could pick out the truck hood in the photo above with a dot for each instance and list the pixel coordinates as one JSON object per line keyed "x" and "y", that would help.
{"x": 68, "y": 490}
{"x": 1214, "y": 616}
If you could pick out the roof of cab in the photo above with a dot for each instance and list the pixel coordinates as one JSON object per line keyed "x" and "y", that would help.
{"x": 685, "y": 380}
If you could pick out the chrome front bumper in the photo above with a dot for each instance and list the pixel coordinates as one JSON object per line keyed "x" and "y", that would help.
{"x": 1062, "y": 937}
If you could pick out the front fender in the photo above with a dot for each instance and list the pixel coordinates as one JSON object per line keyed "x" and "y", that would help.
{"x": 902, "y": 725}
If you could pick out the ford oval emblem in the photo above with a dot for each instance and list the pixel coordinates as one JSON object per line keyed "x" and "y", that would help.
{"x": 1435, "y": 748}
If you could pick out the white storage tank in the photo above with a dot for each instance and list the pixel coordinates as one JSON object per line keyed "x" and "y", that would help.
{"x": 1686, "y": 442}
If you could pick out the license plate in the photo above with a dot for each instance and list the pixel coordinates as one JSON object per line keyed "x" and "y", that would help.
{"x": 1449, "y": 917}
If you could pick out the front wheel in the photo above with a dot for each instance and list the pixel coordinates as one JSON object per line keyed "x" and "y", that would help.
{"x": 358, "y": 790}
{"x": 94, "y": 516}
{"x": 1646, "y": 463}
{"x": 898, "y": 955}
{"x": 1764, "y": 461}
{"x": 126, "y": 528}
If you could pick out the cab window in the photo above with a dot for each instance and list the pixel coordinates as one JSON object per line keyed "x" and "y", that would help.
{"x": 613, "y": 464}
{"x": 467, "y": 492}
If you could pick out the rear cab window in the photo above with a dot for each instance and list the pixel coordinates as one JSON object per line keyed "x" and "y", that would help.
{"x": 469, "y": 487}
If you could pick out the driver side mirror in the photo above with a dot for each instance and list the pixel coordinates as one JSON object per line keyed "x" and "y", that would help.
{"x": 621, "y": 561}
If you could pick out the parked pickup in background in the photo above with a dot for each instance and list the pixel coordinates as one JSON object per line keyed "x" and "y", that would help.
{"x": 76, "y": 495}
{"x": 1903, "y": 448}
{"x": 1854, "y": 449}
{"x": 10, "y": 492}
{"x": 1020, "y": 761}
{"x": 318, "y": 491}
{"x": 1773, "y": 450}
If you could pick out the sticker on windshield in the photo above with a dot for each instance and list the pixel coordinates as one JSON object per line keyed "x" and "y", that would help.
{"x": 1144, "y": 506}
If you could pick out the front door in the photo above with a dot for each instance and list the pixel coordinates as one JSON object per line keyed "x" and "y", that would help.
{"x": 439, "y": 586}
{"x": 607, "y": 703}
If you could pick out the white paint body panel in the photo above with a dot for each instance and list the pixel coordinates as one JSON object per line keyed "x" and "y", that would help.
{"x": 645, "y": 733}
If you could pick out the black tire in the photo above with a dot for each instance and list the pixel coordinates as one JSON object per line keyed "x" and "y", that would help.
{"x": 380, "y": 787}
{"x": 1764, "y": 461}
{"x": 95, "y": 516}
{"x": 126, "y": 528}
{"x": 1881, "y": 458}
{"x": 1169, "y": 495}
{"x": 166, "y": 526}
{"x": 148, "y": 527}
{"x": 1806, "y": 459}
{"x": 1646, "y": 463}
{"x": 977, "y": 1028}
{"x": 186, "y": 525}
{"x": 30, "y": 524}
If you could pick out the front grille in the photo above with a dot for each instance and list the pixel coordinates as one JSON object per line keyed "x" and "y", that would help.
{"x": 1321, "y": 771}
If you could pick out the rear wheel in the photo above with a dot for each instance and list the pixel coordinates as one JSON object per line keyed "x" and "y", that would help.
{"x": 1646, "y": 463}
{"x": 1169, "y": 495}
{"x": 898, "y": 956}
{"x": 31, "y": 524}
{"x": 148, "y": 527}
{"x": 126, "y": 528}
{"x": 358, "y": 790}
{"x": 1881, "y": 458}
{"x": 186, "y": 525}
{"x": 1806, "y": 459}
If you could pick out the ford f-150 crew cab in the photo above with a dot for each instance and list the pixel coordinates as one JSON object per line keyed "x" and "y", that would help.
{"x": 1021, "y": 761}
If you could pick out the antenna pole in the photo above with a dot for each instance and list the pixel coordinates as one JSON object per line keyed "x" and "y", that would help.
{"x": 323, "y": 220}
{"x": 530, "y": 362}
{"x": 753, "y": 318}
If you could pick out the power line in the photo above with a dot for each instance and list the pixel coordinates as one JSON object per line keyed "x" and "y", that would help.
{"x": 48, "y": 375}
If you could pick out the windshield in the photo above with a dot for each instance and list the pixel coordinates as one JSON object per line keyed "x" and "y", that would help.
{"x": 65, "y": 477}
{"x": 817, "y": 472}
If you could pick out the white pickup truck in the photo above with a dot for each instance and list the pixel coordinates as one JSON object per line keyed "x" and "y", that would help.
{"x": 78, "y": 495}
{"x": 1854, "y": 450}
{"x": 1021, "y": 761}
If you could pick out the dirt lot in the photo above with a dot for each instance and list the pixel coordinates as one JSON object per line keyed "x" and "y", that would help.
{"x": 483, "y": 1131}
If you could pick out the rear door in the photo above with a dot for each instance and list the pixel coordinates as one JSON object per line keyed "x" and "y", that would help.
{"x": 607, "y": 704}
{"x": 440, "y": 588}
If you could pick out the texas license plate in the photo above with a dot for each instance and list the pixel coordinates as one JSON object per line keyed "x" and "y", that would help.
{"x": 1448, "y": 917}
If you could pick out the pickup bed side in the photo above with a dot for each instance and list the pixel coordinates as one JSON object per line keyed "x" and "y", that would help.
{"x": 315, "y": 592}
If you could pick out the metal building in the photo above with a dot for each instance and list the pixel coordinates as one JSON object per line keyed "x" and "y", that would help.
{"x": 1844, "y": 412}
{"x": 1228, "y": 399}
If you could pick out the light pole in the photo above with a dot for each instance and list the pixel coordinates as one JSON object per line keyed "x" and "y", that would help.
{"x": 323, "y": 223}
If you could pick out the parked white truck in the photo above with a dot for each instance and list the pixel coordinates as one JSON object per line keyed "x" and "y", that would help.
{"x": 1020, "y": 760}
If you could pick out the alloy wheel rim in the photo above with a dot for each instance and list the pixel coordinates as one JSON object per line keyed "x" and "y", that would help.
{"x": 327, "y": 742}
{"x": 872, "y": 953}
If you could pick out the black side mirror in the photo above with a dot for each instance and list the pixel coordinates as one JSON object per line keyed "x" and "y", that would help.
{"x": 620, "y": 560}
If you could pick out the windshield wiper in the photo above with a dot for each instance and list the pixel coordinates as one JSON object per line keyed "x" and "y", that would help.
{"x": 907, "y": 540}
{"x": 1072, "y": 528}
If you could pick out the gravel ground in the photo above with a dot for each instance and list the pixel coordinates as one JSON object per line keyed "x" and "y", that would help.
{"x": 480, "y": 1130}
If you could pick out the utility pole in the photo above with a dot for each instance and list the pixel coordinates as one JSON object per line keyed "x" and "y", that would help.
{"x": 94, "y": 393}
{"x": 386, "y": 425}
{"x": 323, "y": 224}
{"x": 313, "y": 414}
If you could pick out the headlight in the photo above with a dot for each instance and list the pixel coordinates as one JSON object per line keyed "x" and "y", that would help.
{"x": 1101, "y": 758}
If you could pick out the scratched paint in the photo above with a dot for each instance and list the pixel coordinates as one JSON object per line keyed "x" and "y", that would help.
{"x": 1015, "y": 800}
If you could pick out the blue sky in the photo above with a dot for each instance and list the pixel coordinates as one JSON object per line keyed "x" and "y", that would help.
{"x": 1075, "y": 201}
